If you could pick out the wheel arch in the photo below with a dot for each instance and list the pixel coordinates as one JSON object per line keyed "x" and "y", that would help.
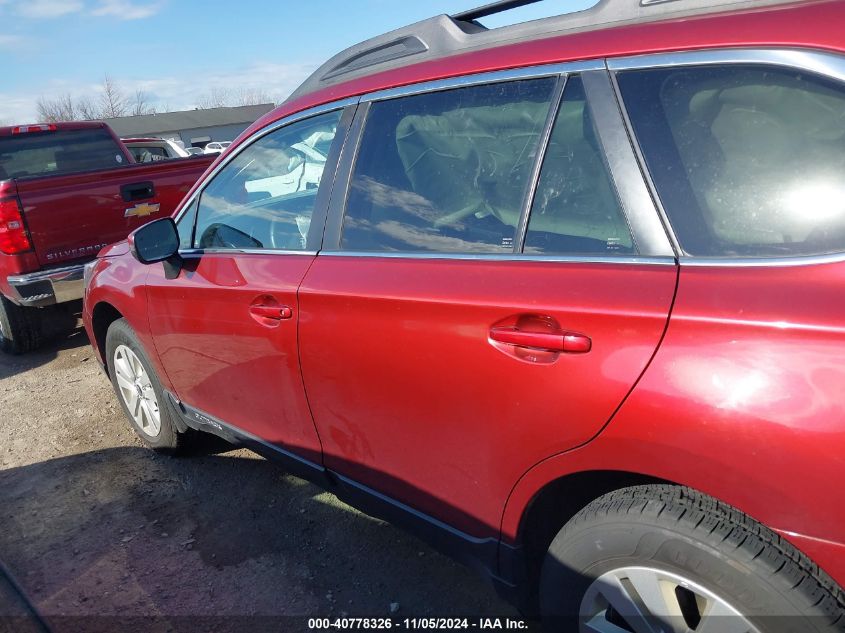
{"x": 549, "y": 509}
{"x": 102, "y": 316}
{"x": 552, "y": 492}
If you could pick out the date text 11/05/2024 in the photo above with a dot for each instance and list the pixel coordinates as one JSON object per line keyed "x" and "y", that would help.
{"x": 436, "y": 624}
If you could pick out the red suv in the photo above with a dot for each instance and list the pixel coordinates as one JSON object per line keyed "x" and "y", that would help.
{"x": 566, "y": 297}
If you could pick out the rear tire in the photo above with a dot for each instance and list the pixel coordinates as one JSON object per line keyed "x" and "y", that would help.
{"x": 681, "y": 557}
{"x": 140, "y": 393}
{"x": 20, "y": 328}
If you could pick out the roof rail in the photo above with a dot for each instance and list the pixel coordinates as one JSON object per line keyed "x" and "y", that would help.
{"x": 443, "y": 35}
{"x": 491, "y": 9}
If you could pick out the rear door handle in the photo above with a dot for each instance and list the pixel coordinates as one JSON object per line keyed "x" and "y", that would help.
{"x": 275, "y": 313}
{"x": 567, "y": 342}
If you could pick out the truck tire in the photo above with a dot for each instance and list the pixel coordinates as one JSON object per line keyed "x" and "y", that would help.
{"x": 666, "y": 558}
{"x": 140, "y": 393}
{"x": 20, "y": 328}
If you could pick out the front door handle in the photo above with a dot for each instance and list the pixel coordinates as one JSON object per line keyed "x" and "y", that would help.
{"x": 274, "y": 313}
{"x": 566, "y": 342}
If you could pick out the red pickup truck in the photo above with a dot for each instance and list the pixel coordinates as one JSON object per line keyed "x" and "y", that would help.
{"x": 66, "y": 191}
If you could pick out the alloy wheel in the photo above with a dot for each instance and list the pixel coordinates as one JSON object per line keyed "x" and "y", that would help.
{"x": 137, "y": 391}
{"x": 647, "y": 600}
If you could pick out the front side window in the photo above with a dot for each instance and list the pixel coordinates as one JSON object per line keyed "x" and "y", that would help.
{"x": 748, "y": 161}
{"x": 575, "y": 208}
{"x": 446, "y": 171}
{"x": 264, "y": 197}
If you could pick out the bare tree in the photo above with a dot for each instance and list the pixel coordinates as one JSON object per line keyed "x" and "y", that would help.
{"x": 252, "y": 96}
{"x": 68, "y": 107}
{"x": 140, "y": 105}
{"x": 113, "y": 102}
{"x": 215, "y": 98}
{"x": 47, "y": 110}
{"x": 225, "y": 98}
{"x": 86, "y": 109}
{"x": 62, "y": 108}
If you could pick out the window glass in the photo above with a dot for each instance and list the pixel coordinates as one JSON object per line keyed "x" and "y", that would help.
{"x": 265, "y": 196}
{"x": 749, "y": 161}
{"x": 446, "y": 171}
{"x": 148, "y": 154}
{"x": 185, "y": 226}
{"x": 59, "y": 152}
{"x": 575, "y": 208}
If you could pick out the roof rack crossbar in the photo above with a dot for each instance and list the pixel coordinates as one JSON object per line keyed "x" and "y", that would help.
{"x": 492, "y": 9}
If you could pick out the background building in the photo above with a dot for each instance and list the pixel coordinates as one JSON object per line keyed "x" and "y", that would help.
{"x": 192, "y": 127}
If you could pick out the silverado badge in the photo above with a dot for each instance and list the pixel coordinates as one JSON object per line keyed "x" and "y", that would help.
{"x": 142, "y": 210}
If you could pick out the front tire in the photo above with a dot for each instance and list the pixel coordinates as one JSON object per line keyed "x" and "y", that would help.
{"x": 139, "y": 391}
{"x": 20, "y": 328}
{"x": 666, "y": 558}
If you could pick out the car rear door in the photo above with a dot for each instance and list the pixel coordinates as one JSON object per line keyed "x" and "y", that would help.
{"x": 226, "y": 327}
{"x": 450, "y": 341}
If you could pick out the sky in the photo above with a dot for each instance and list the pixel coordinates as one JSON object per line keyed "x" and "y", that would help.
{"x": 177, "y": 51}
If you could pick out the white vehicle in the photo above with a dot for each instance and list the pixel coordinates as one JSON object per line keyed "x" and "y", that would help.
{"x": 216, "y": 147}
{"x": 146, "y": 150}
{"x": 193, "y": 151}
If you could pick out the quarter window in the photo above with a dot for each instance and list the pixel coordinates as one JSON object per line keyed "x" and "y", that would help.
{"x": 748, "y": 161}
{"x": 446, "y": 171}
{"x": 575, "y": 208}
{"x": 185, "y": 226}
{"x": 264, "y": 197}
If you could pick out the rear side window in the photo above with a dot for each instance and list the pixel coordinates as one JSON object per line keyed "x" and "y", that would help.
{"x": 748, "y": 161}
{"x": 575, "y": 209}
{"x": 446, "y": 171}
{"x": 148, "y": 154}
{"x": 61, "y": 152}
{"x": 264, "y": 197}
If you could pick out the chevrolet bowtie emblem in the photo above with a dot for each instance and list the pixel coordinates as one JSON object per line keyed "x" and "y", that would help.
{"x": 142, "y": 210}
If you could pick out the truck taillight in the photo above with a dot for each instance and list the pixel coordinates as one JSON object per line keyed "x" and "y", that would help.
{"x": 14, "y": 238}
{"x": 24, "y": 129}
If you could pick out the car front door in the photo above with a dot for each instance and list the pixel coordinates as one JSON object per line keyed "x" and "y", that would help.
{"x": 226, "y": 327}
{"x": 450, "y": 340}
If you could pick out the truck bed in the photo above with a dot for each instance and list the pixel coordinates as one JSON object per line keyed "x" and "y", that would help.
{"x": 71, "y": 217}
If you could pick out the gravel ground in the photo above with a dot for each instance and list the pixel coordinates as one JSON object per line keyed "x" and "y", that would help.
{"x": 97, "y": 529}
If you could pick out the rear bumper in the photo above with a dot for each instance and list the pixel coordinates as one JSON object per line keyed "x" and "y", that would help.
{"x": 48, "y": 287}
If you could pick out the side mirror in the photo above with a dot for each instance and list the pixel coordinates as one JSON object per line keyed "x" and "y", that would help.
{"x": 155, "y": 242}
{"x": 158, "y": 242}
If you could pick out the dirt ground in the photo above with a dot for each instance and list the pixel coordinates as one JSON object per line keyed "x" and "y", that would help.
{"x": 105, "y": 535}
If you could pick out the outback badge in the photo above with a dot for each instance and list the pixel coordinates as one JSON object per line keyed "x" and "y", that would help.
{"x": 142, "y": 210}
